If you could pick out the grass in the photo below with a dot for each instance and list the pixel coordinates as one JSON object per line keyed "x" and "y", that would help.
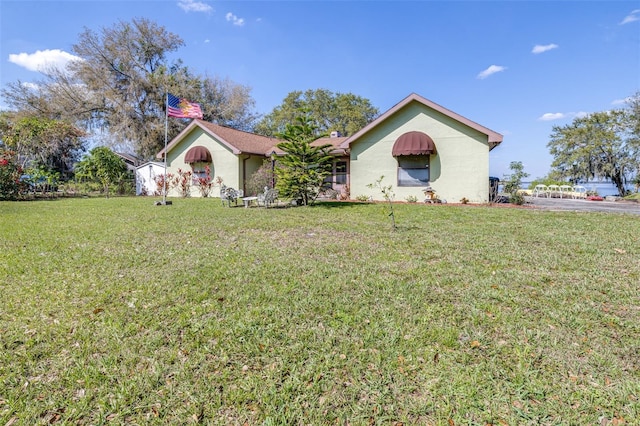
{"x": 120, "y": 312}
{"x": 635, "y": 196}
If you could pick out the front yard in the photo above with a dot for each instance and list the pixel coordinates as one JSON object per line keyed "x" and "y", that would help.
{"x": 117, "y": 311}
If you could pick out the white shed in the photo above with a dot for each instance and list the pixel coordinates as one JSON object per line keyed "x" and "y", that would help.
{"x": 146, "y": 177}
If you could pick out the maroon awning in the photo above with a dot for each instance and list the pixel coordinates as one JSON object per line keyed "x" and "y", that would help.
{"x": 413, "y": 143}
{"x": 198, "y": 154}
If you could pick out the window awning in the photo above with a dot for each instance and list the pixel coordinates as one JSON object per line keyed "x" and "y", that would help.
{"x": 198, "y": 154}
{"x": 413, "y": 143}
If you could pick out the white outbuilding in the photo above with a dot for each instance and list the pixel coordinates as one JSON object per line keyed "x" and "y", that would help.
{"x": 146, "y": 177}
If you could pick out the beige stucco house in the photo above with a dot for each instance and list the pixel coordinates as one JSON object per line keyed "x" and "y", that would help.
{"x": 418, "y": 143}
{"x": 414, "y": 145}
{"x": 230, "y": 154}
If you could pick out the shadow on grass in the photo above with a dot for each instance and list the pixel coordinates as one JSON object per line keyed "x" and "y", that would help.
{"x": 334, "y": 204}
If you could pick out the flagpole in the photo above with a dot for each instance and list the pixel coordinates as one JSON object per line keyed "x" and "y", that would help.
{"x": 166, "y": 126}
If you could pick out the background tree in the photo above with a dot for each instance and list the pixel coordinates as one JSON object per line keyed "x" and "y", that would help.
{"x": 328, "y": 111}
{"x": 632, "y": 117}
{"x": 302, "y": 170}
{"x": 597, "y": 146}
{"x": 119, "y": 84}
{"x": 41, "y": 143}
{"x": 103, "y": 166}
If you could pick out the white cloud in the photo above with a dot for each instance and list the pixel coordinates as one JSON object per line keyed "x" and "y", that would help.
{"x": 539, "y": 48}
{"x": 491, "y": 70}
{"x": 43, "y": 59}
{"x": 233, "y": 18}
{"x": 194, "y": 6}
{"x": 632, "y": 17}
{"x": 550, "y": 116}
{"x": 31, "y": 86}
{"x": 621, "y": 101}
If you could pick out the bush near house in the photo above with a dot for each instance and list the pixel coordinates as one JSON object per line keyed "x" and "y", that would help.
{"x": 11, "y": 185}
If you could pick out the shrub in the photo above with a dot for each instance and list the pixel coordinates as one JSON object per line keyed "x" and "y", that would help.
{"x": 182, "y": 181}
{"x": 205, "y": 183}
{"x": 362, "y": 197}
{"x": 516, "y": 198}
{"x": 513, "y": 181}
{"x": 10, "y": 171}
{"x": 546, "y": 181}
{"x": 261, "y": 178}
{"x": 160, "y": 183}
{"x": 411, "y": 199}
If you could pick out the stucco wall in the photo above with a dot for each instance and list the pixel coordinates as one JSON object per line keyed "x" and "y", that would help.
{"x": 459, "y": 169}
{"x": 225, "y": 163}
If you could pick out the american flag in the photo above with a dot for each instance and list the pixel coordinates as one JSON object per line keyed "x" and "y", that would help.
{"x": 182, "y": 108}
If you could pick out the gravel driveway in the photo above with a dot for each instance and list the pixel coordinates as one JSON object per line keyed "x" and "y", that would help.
{"x": 561, "y": 204}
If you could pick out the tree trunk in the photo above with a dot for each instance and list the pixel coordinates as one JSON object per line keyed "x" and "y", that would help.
{"x": 618, "y": 182}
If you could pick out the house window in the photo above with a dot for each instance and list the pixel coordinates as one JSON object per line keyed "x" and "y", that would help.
{"x": 413, "y": 170}
{"x": 338, "y": 175}
{"x": 198, "y": 171}
{"x": 341, "y": 172}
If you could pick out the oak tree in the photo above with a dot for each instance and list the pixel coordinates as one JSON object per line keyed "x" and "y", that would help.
{"x": 596, "y": 146}
{"x": 117, "y": 88}
{"x": 345, "y": 113}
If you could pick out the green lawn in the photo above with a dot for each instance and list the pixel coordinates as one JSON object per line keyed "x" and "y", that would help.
{"x": 116, "y": 311}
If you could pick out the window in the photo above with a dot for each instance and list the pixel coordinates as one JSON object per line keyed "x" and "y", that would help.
{"x": 341, "y": 172}
{"x": 339, "y": 175}
{"x": 413, "y": 170}
{"x": 199, "y": 171}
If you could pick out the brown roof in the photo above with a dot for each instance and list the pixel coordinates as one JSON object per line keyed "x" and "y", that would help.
{"x": 494, "y": 138}
{"x": 237, "y": 141}
{"x": 335, "y": 143}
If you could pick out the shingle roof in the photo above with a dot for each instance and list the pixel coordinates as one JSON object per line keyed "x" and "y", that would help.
{"x": 335, "y": 143}
{"x": 494, "y": 138}
{"x": 237, "y": 141}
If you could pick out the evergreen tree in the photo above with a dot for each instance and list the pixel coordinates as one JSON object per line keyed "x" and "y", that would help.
{"x": 303, "y": 168}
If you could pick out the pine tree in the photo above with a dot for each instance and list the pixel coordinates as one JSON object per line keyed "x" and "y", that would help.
{"x": 302, "y": 169}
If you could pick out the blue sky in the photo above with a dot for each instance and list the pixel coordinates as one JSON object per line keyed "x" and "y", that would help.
{"x": 516, "y": 67}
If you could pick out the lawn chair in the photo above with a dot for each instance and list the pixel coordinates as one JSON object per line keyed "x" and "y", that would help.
{"x": 540, "y": 191}
{"x": 554, "y": 191}
{"x": 565, "y": 190}
{"x": 228, "y": 194}
{"x": 268, "y": 197}
{"x": 579, "y": 192}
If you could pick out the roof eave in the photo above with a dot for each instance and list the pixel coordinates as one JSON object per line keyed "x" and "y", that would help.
{"x": 196, "y": 122}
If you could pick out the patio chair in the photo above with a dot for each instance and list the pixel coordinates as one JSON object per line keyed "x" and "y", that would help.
{"x": 579, "y": 192}
{"x": 565, "y": 190}
{"x": 540, "y": 191}
{"x": 553, "y": 191}
{"x": 228, "y": 194}
{"x": 268, "y": 197}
